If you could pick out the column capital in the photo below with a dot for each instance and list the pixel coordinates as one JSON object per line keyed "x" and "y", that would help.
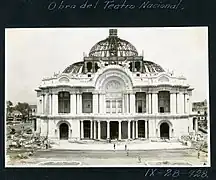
{"x": 95, "y": 93}
{"x": 108, "y": 121}
{"x": 72, "y": 93}
{"x": 55, "y": 93}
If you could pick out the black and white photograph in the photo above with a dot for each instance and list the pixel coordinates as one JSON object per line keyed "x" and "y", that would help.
{"x": 107, "y": 97}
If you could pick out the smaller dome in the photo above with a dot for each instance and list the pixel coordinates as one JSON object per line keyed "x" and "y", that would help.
{"x": 151, "y": 67}
{"x": 75, "y": 68}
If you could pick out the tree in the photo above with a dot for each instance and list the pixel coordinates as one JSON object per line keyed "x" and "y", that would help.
{"x": 9, "y": 107}
{"x": 24, "y": 108}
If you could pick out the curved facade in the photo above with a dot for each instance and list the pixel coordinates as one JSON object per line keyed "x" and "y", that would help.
{"x": 114, "y": 94}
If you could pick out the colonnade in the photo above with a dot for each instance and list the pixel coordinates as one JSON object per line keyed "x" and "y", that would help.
{"x": 95, "y": 133}
{"x": 179, "y": 103}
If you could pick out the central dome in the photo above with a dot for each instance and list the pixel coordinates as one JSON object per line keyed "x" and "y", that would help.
{"x": 113, "y": 46}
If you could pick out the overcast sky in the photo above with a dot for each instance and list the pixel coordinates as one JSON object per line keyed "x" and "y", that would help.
{"x": 32, "y": 54}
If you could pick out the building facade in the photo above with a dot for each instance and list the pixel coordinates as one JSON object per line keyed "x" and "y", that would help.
{"x": 200, "y": 115}
{"x": 114, "y": 94}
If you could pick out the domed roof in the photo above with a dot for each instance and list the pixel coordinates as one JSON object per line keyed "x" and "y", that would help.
{"x": 151, "y": 67}
{"x": 75, "y": 68}
{"x": 113, "y": 46}
{"x": 148, "y": 67}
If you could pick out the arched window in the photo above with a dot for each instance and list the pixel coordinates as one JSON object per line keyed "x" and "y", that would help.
{"x": 164, "y": 101}
{"x": 64, "y": 102}
{"x": 89, "y": 67}
{"x": 137, "y": 66}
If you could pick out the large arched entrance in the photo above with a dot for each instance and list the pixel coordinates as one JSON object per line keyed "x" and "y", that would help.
{"x": 64, "y": 131}
{"x": 164, "y": 131}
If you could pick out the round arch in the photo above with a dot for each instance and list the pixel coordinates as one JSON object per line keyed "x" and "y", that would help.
{"x": 63, "y": 130}
{"x": 165, "y": 129}
{"x": 113, "y": 73}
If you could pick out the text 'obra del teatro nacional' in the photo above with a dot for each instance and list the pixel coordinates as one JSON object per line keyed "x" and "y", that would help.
{"x": 114, "y": 94}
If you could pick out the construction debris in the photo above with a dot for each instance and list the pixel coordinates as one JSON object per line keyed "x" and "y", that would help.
{"x": 22, "y": 139}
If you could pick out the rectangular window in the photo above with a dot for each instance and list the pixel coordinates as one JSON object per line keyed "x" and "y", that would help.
{"x": 87, "y": 102}
{"x": 107, "y": 106}
{"x": 140, "y": 102}
{"x": 113, "y": 106}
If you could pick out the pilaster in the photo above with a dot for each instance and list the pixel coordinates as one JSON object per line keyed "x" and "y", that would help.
{"x": 108, "y": 129}
{"x": 119, "y": 130}
{"x": 132, "y": 103}
{"x": 82, "y": 129}
{"x": 99, "y": 130}
{"x": 95, "y": 103}
{"x": 173, "y": 103}
{"x": 129, "y": 129}
{"x": 136, "y": 129}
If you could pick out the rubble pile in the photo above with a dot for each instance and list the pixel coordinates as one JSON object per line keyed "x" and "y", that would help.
{"x": 22, "y": 139}
{"x": 198, "y": 141}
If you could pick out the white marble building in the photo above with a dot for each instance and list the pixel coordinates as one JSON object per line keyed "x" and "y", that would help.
{"x": 114, "y": 93}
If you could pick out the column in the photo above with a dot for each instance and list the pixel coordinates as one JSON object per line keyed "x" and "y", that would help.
{"x": 136, "y": 129}
{"x": 43, "y": 100}
{"x": 102, "y": 103}
{"x": 133, "y": 129}
{"x": 119, "y": 130}
{"x": 177, "y": 103}
{"x": 150, "y": 103}
{"x": 46, "y": 104}
{"x": 39, "y": 105}
{"x": 50, "y": 104}
{"x": 82, "y": 134}
{"x": 123, "y": 105}
{"x": 132, "y": 103}
{"x": 127, "y": 103}
{"x": 42, "y": 104}
{"x": 108, "y": 129}
{"x": 91, "y": 129}
{"x": 80, "y": 101}
{"x": 95, "y": 103}
{"x": 173, "y": 103}
{"x": 147, "y": 103}
{"x": 186, "y": 103}
{"x": 55, "y": 104}
{"x": 77, "y": 103}
{"x": 73, "y": 103}
{"x": 146, "y": 129}
{"x": 180, "y": 103}
{"x": 129, "y": 130}
{"x": 189, "y": 104}
{"x": 94, "y": 129}
{"x": 155, "y": 103}
{"x": 99, "y": 130}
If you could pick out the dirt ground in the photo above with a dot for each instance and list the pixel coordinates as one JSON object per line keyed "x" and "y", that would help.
{"x": 174, "y": 157}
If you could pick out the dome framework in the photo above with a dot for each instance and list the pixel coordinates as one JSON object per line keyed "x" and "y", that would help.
{"x": 113, "y": 46}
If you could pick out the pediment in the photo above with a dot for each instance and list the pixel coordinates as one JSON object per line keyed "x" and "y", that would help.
{"x": 64, "y": 80}
{"x": 163, "y": 79}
